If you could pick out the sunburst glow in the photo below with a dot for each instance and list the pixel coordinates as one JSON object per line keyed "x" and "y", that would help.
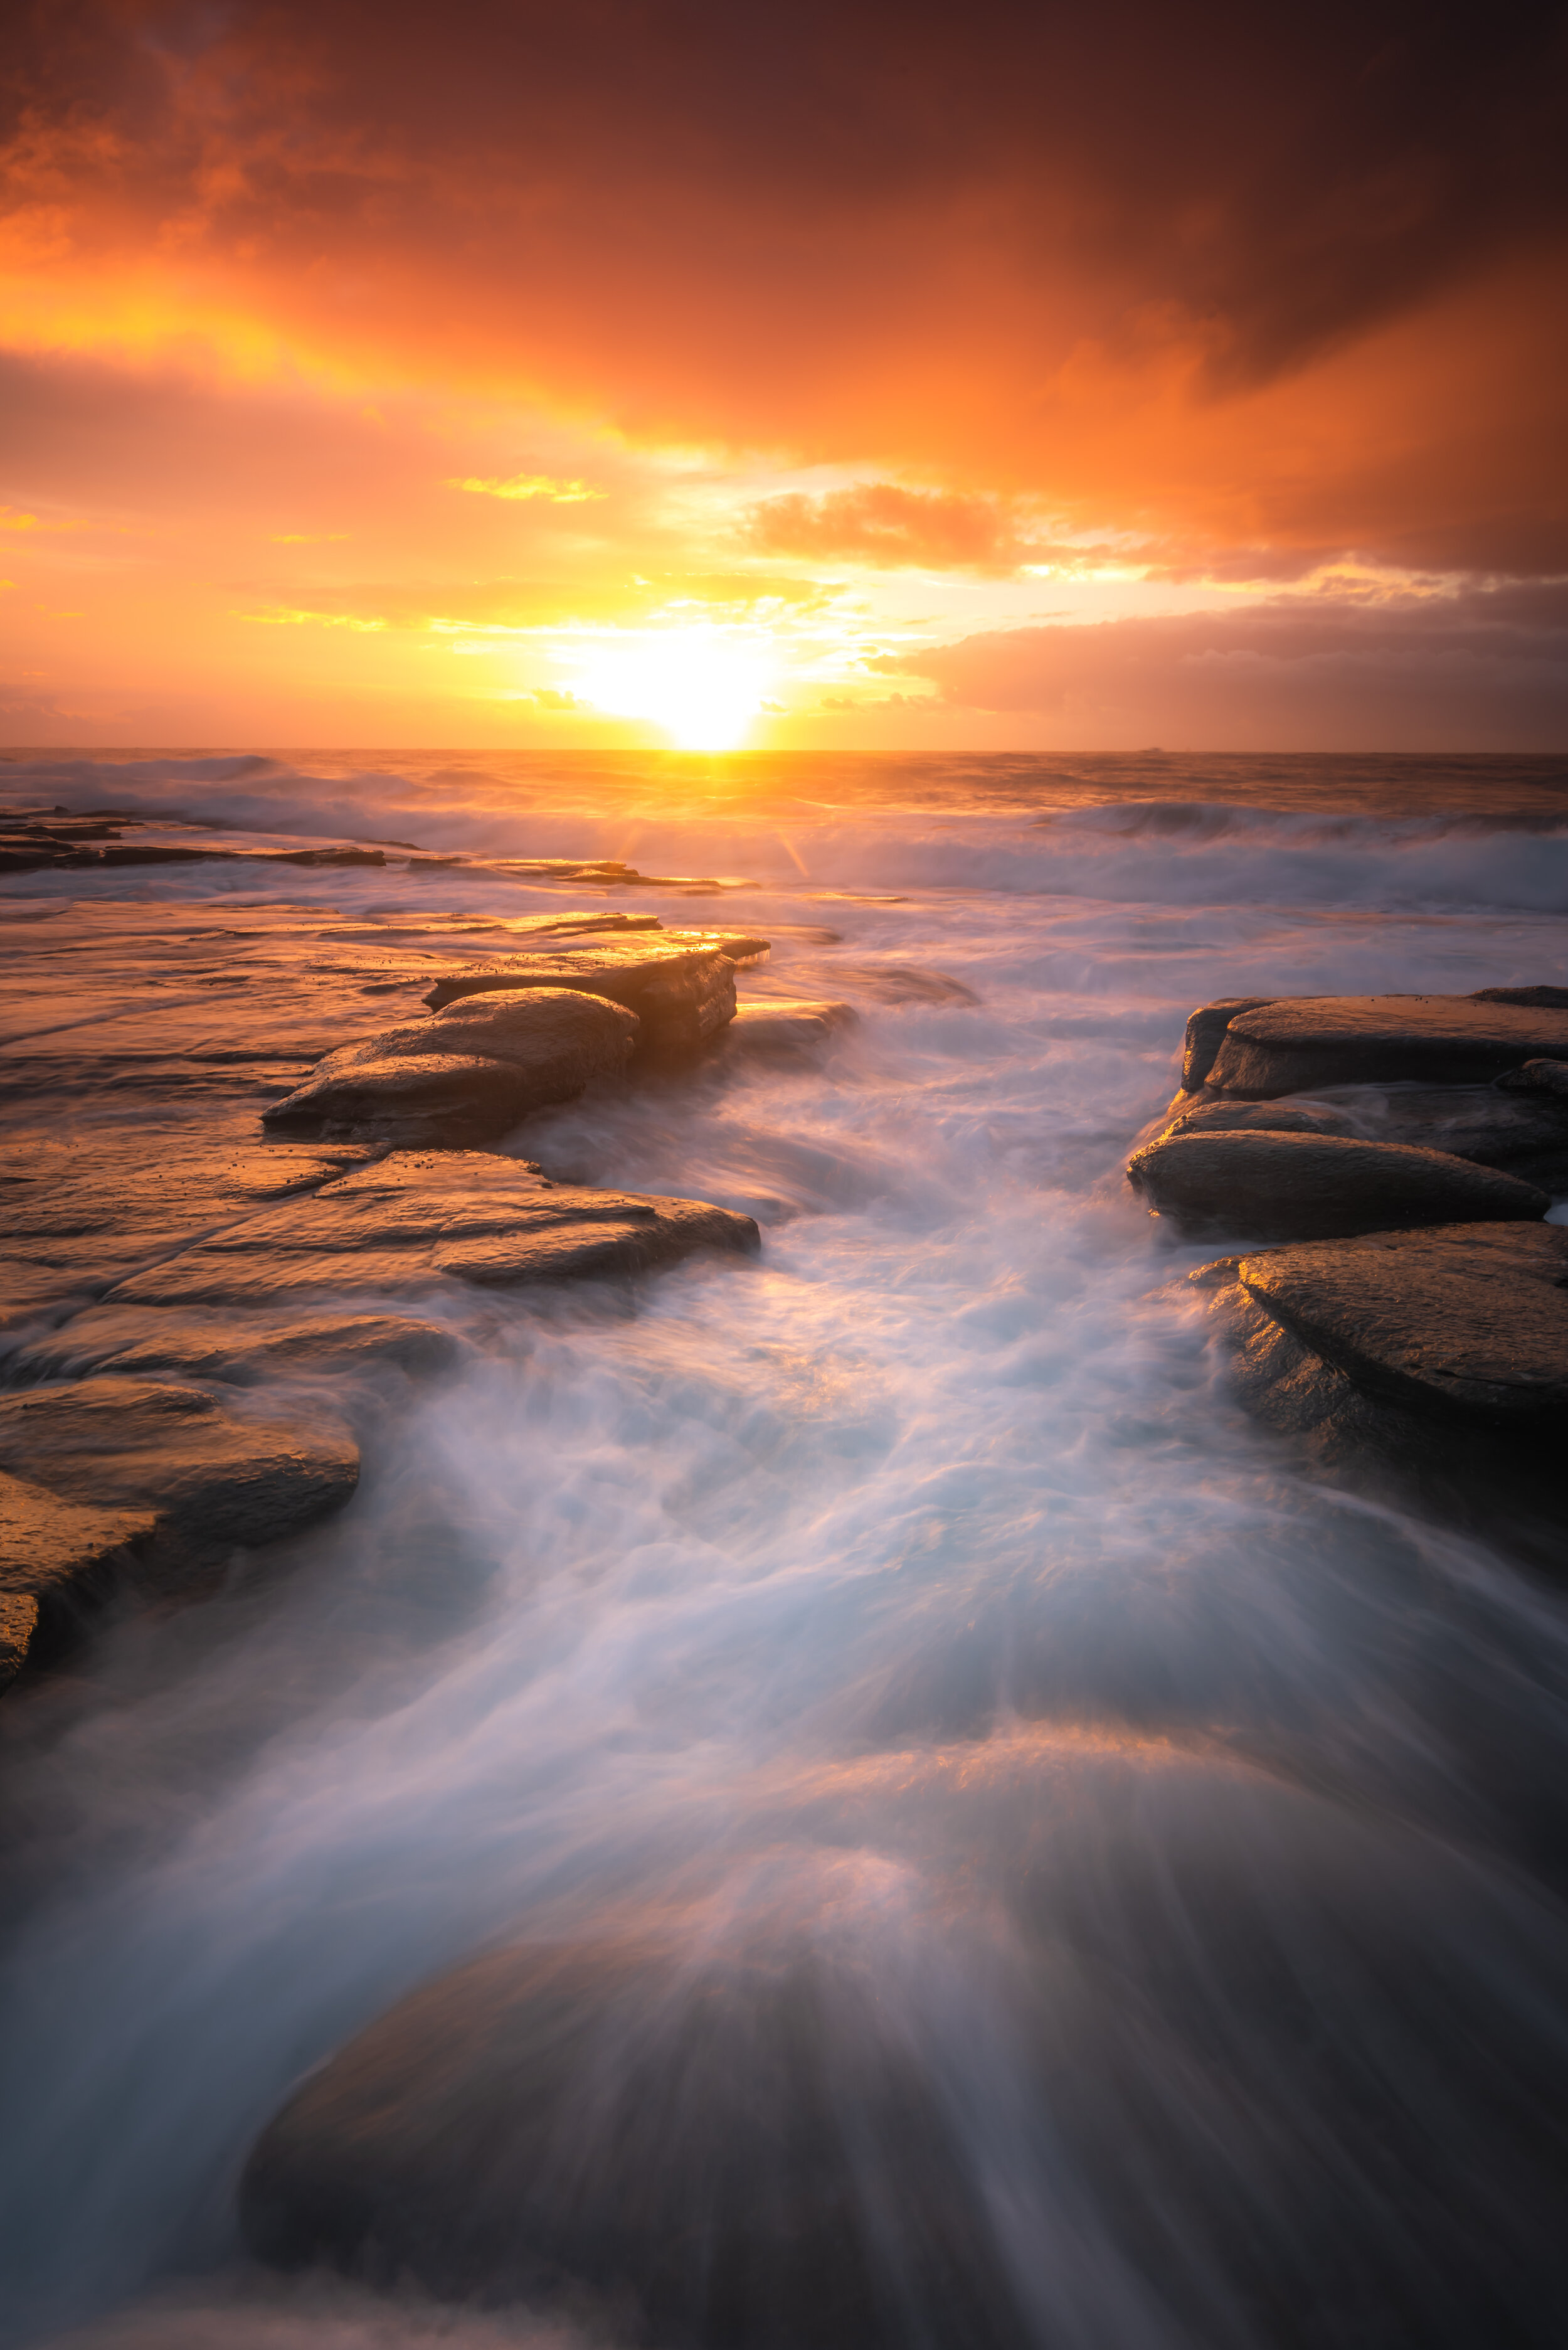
{"x": 703, "y": 685}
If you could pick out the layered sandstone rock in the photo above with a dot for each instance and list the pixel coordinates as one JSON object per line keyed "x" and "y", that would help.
{"x": 680, "y": 985}
{"x": 464, "y": 1074}
{"x": 414, "y": 1221}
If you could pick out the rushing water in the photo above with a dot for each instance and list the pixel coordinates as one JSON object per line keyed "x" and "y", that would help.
{"x": 855, "y": 1590}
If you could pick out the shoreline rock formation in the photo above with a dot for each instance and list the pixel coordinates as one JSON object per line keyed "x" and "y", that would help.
{"x": 1414, "y": 1317}
{"x": 169, "y": 1285}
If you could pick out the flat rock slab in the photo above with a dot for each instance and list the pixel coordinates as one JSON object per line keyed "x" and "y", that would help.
{"x": 240, "y": 1347}
{"x": 466, "y": 1073}
{"x": 202, "y": 1006}
{"x": 1299, "y": 1043}
{"x": 1288, "y": 1186}
{"x": 414, "y": 1221}
{"x": 1468, "y": 1323}
{"x": 680, "y": 986}
{"x": 78, "y": 1215}
{"x": 745, "y": 2148}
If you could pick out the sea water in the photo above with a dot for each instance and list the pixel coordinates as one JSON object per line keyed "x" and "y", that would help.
{"x": 839, "y": 1591}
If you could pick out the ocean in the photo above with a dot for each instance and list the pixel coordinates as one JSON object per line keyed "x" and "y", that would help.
{"x": 919, "y": 1588}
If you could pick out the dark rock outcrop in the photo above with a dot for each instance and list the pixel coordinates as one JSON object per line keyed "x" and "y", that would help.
{"x": 1436, "y": 1360}
{"x": 743, "y": 2147}
{"x": 1456, "y": 1324}
{"x": 1550, "y": 1077}
{"x": 1205, "y": 1033}
{"x": 1299, "y": 1043}
{"x": 1284, "y": 1186}
{"x": 464, "y": 1075}
{"x": 680, "y": 985}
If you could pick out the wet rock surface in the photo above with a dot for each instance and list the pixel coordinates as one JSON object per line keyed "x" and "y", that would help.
{"x": 679, "y": 986}
{"x": 721, "y": 2144}
{"x": 466, "y": 1073}
{"x": 1285, "y": 1185}
{"x": 1205, "y": 1030}
{"x": 1456, "y": 1324}
{"x": 221, "y": 1008}
{"x": 240, "y": 1348}
{"x": 1406, "y": 1150}
{"x": 1296, "y": 1044}
{"x": 1435, "y": 1410}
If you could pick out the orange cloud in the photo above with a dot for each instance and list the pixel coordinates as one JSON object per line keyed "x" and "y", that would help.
{"x": 530, "y": 485}
{"x": 880, "y": 524}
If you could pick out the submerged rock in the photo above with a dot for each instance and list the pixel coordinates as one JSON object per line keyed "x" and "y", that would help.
{"x": 680, "y": 985}
{"x": 743, "y": 2146}
{"x": 1299, "y": 1043}
{"x": 465, "y": 1073}
{"x": 1291, "y": 1185}
{"x": 116, "y": 1482}
{"x": 782, "y": 1026}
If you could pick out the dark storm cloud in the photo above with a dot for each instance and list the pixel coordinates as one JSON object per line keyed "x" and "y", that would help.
{"x": 1283, "y": 176}
{"x": 1486, "y": 670}
{"x": 1091, "y": 259}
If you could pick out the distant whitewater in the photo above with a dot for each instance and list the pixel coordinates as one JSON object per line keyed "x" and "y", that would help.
{"x": 1310, "y": 830}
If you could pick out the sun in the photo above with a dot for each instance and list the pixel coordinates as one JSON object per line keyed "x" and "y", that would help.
{"x": 703, "y": 684}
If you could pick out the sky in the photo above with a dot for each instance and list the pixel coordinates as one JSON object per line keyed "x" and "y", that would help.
{"x": 624, "y": 372}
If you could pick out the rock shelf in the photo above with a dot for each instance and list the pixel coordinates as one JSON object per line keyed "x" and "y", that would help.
{"x": 182, "y": 1283}
{"x": 1297, "y": 1042}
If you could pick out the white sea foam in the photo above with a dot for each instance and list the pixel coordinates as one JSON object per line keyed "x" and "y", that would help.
{"x": 815, "y": 1587}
